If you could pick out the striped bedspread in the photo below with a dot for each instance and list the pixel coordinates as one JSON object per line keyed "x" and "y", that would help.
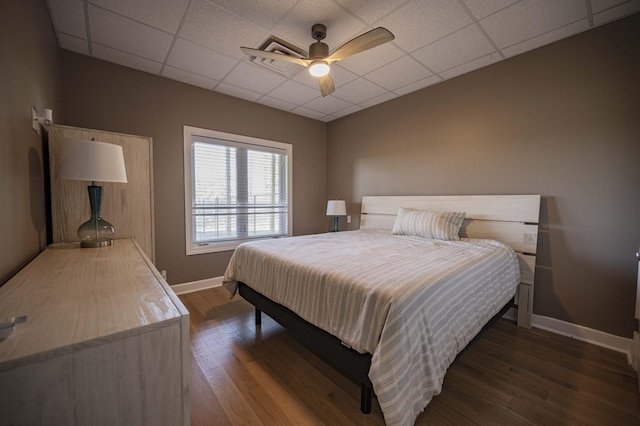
{"x": 413, "y": 303}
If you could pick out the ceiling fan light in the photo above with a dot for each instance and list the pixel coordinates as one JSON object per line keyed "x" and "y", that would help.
{"x": 319, "y": 69}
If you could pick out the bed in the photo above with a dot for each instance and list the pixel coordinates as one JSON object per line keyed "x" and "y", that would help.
{"x": 392, "y": 307}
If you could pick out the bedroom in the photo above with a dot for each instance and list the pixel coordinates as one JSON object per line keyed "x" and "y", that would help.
{"x": 560, "y": 121}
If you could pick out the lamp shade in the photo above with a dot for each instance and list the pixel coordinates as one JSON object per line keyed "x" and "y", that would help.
{"x": 91, "y": 160}
{"x": 336, "y": 208}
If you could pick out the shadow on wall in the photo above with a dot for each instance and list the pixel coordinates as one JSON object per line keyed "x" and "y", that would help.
{"x": 37, "y": 197}
{"x": 545, "y": 298}
{"x": 353, "y": 209}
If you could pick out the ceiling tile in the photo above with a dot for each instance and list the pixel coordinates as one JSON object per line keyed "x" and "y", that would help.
{"x": 295, "y": 92}
{"x": 162, "y": 14}
{"x": 230, "y": 32}
{"x": 405, "y": 70}
{"x": 262, "y": 13}
{"x": 531, "y": 18}
{"x": 328, "y": 104}
{"x": 126, "y": 59}
{"x": 68, "y": 17}
{"x": 115, "y": 31}
{"x": 546, "y": 38}
{"x": 199, "y": 60}
{"x": 372, "y": 59}
{"x": 347, "y": 111}
{"x": 418, "y": 22}
{"x": 471, "y": 65}
{"x": 359, "y": 90}
{"x": 276, "y": 103}
{"x": 483, "y": 8}
{"x": 340, "y": 75}
{"x": 237, "y": 92}
{"x": 308, "y": 113}
{"x": 253, "y": 78}
{"x": 455, "y": 49}
{"x": 371, "y": 10}
{"x": 188, "y": 77}
{"x": 598, "y": 6}
{"x": 305, "y": 78}
{"x": 429, "y": 81}
{"x": 378, "y": 100}
{"x": 616, "y": 12}
{"x": 74, "y": 44}
{"x": 295, "y": 27}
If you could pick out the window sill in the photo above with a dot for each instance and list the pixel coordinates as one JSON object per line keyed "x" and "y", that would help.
{"x": 223, "y": 246}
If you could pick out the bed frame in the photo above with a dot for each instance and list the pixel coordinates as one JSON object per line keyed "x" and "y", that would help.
{"x": 511, "y": 219}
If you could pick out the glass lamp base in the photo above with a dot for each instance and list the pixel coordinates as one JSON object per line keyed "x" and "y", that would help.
{"x": 335, "y": 224}
{"x": 96, "y": 232}
{"x": 96, "y": 243}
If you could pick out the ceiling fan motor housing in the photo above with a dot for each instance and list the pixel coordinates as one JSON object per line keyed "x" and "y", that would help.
{"x": 318, "y": 50}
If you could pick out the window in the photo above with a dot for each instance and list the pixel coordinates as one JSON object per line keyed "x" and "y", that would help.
{"x": 237, "y": 188}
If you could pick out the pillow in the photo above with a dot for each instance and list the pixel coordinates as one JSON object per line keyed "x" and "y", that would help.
{"x": 435, "y": 225}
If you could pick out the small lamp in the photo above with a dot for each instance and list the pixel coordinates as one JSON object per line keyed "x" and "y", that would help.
{"x": 336, "y": 208}
{"x": 93, "y": 161}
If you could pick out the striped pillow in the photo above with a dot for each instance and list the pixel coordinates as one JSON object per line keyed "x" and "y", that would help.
{"x": 435, "y": 225}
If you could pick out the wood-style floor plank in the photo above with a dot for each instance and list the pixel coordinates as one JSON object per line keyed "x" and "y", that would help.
{"x": 509, "y": 376}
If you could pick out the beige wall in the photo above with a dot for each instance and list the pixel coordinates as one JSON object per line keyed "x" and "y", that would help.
{"x": 104, "y": 96}
{"x": 561, "y": 121}
{"x": 28, "y": 76}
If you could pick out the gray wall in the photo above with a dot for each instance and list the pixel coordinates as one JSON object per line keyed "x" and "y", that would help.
{"x": 561, "y": 121}
{"x": 104, "y": 96}
{"x": 29, "y": 75}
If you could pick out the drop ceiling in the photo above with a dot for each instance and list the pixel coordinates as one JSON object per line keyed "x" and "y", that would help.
{"x": 198, "y": 42}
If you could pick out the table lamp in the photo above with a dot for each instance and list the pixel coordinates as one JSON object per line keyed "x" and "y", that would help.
{"x": 336, "y": 208}
{"x": 92, "y": 161}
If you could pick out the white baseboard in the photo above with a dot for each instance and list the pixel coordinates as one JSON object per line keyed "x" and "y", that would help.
{"x": 585, "y": 334}
{"x": 197, "y": 285}
{"x": 579, "y": 332}
{"x": 575, "y": 331}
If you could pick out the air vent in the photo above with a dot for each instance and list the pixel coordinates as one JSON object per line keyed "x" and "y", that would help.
{"x": 277, "y": 45}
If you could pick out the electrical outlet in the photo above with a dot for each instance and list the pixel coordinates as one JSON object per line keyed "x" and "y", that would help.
{"x": 348, "y": 219}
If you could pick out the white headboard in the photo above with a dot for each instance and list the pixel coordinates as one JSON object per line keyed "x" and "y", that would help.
{"x": 511, "y": 219}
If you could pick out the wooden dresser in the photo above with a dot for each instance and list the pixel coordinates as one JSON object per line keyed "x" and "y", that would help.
{"x": 106, "y": 341}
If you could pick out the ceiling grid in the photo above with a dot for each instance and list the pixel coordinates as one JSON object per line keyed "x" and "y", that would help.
{"x": 198, "y": 42}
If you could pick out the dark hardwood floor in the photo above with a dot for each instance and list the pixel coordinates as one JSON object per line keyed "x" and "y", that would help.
{"x": 509, "y": 376}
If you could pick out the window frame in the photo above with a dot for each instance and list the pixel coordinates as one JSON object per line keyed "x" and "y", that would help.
{"x": 213, "y": 247}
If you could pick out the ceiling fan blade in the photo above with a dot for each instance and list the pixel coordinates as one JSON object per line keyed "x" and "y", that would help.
{"x": 275, "y": 56}
{"x": 363, "y": 42}
{"x": 326, "y": 85}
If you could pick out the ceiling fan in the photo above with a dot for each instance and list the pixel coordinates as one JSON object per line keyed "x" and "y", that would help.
{"x": 319, "y": 61}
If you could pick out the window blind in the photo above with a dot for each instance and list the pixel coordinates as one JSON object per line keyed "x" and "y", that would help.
{"x": 239, "y": 190}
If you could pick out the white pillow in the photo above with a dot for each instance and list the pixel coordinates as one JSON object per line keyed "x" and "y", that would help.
{"x": 435, "y": 225}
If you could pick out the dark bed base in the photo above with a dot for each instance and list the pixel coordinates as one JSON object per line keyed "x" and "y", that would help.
{"x": 351, "y": 363}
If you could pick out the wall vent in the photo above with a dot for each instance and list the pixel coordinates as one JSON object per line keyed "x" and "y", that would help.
{"x": 277, "y": 45}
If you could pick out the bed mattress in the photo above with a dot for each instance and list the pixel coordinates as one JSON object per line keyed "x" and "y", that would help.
{"x": 412, "y": 303}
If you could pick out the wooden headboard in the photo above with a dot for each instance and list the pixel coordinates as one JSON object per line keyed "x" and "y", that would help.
{"x": 511, "y": 219}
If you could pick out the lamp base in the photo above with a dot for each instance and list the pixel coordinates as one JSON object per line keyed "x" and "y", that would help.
{"x": 104, "y": 242}
{"x": 96, "y": 232}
